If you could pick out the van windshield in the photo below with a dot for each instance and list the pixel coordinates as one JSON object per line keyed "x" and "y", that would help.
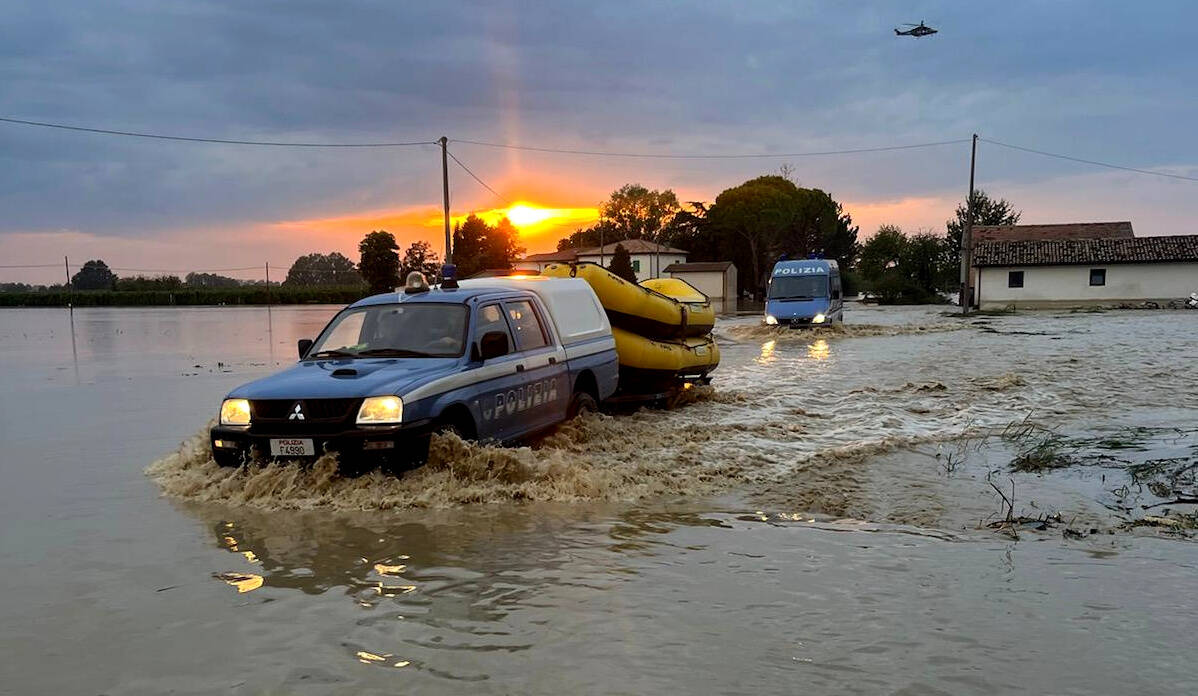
{"x": 398, "y": 331}
{"x": 806, "y": 287}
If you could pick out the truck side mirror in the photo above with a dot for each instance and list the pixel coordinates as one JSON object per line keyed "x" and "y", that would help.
{"x": 493, "y": 345}
{"x": 303, "y": 345}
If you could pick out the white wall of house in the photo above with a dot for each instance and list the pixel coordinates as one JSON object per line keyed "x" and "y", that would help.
{"x": 1064, "y": 286}
{"x": 645, "y": 265}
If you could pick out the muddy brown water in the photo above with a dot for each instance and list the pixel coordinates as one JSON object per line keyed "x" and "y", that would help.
{"x": 795, "y": 529}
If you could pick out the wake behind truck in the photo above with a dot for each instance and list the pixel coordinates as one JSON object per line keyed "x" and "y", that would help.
{"x": 494, "y": 359}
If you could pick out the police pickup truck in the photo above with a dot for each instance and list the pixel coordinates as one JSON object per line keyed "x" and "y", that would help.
{"x": 493, "y": 359}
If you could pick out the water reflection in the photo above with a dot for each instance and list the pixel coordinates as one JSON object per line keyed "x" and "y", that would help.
{"x": 820, "y": 350}
{"x": 767, "y": 352}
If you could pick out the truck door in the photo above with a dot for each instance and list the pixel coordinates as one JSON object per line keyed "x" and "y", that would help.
{"x": 496, "y": 421}
{"x": 546, "y": 390}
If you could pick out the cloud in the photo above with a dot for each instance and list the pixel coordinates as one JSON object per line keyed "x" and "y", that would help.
{"x": 1097, "y": 79}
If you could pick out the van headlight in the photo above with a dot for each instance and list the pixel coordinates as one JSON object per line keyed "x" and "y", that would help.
{"x": 235, "y": 412}
{"x": 771, "y": 319}
{"x": 381, "y": 410}
{"x": 818, "y": 319}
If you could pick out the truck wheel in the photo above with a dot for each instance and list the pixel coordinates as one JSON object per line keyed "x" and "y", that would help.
{"x": 580, "y": 404}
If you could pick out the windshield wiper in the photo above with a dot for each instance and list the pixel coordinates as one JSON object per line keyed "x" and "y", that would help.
{"x": 331, "y": 354}
{"x": 394, "y": 353}
{"x": 794, "y": 297}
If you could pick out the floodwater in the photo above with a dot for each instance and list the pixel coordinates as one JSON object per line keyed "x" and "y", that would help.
{"x": 821, "y": 521}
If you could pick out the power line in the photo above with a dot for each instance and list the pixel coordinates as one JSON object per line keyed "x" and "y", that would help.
{"x": 159, "y": 136}
{"x": 475, "y": 177}
{"x": 1087, "y": 161}
{"x": 647, "y": 155}
{"x": 42, "y": 265}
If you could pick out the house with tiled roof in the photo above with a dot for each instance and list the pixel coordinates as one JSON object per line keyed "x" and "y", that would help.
{"x": 1075, "y": 265}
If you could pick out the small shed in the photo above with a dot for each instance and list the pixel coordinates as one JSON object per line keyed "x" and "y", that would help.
{"x": 716, "y": 279}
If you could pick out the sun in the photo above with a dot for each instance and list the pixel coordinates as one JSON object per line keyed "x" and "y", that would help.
{"x": 523, "y": 215}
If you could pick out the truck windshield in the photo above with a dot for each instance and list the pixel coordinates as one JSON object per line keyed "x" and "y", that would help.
{"x": 401, "y": 331}
{"x": 805, "y": 287}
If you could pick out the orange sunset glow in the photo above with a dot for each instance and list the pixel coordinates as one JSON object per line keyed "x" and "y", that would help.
{"x": 532, "y": 220}
{"x": 540, "y": 226}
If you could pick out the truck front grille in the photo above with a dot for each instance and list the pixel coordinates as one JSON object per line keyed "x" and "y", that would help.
{"x": 283, "y": 411}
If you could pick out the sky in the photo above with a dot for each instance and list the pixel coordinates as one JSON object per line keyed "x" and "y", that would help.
{"x": 1107, "y": 81}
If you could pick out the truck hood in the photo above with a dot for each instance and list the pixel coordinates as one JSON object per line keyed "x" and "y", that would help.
{"x": 343, "y": 378}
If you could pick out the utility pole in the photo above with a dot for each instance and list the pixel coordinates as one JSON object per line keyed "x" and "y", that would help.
{"x": 67, "y": 265}
{"x": 967, "y": 233}
{"x": 445, "y": 188}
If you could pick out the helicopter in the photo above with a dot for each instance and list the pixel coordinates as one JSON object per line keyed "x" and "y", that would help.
{"x": 916, "y": 30}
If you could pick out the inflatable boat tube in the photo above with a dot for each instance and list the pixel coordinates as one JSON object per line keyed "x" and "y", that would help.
{"x": 701, "y": 319}
{"x": 690, "y": 357}
{"x": 630, "y": 306}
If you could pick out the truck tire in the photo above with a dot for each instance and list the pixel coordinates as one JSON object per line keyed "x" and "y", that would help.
{"x": 580, "y": 404}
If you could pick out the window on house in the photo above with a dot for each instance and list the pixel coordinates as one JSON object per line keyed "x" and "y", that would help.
{"x": 1097, "y": 276}
{"x": 1015, "y": 279}
{"x": 636, "y": 265}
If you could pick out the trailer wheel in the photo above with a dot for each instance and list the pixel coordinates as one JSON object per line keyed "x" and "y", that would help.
{"x": 580, "y": 404}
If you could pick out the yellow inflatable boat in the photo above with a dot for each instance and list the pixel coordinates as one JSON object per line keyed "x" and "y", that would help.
{"x": 642, "y": 357}
{"x": 701, "y": 317}
{"x": 639, "y": 309}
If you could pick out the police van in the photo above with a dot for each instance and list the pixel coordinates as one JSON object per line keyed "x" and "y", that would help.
{"x": 803, "y": 293}
{"x": 494, "y": 359}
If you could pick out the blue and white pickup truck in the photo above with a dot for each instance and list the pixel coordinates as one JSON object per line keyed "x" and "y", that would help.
{"x": 494, "y": 359}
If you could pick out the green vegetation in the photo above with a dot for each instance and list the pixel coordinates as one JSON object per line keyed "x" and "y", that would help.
{"x": 330, "y": 269}
{"x": 419, "y": 256}
{"x": 379, "y": 263}
{"x": 631, "y": 212}
{"x": 478, "y": 246}
{"x": 621, "y": 264}
{"x": 94, "y": 275}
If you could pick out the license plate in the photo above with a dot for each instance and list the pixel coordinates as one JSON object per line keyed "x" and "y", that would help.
{"x": 292, "y": 447}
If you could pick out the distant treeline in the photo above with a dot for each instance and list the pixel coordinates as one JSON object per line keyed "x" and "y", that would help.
{"x": 244, "y": 295}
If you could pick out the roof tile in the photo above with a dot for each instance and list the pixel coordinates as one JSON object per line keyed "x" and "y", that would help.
{"x": 1055, "y": 252}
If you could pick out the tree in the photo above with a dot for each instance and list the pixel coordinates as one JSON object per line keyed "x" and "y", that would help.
{"x": 634, "y": 212}
{"x": 749, "y": 221}
{"x": 419, "y": 256}
{"x": 986, "y": 211}
{"x": 322, "y": 269}
{"x": 95, "y": 275}
{"x": 901, "y": 268}
{"x": 763, "y": 219}
{"x": 631, "y": 212}
{"x": 209, "y": 280}
{"x": 478, "y": 246}
{"x": 164, "y": 282}
{"x": 621, "y": 264}
{"x": 378, "y": 261}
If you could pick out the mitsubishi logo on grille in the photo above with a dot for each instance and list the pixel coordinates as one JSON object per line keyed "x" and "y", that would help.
{"x": 297, "y": 412}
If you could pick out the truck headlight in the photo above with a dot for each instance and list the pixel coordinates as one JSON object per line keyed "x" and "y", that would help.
{"x": 381, "y": 410}
{"x": 235, "y": 412}
{"x": 771, "y": 319}
{"x": 818, "y": 319}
